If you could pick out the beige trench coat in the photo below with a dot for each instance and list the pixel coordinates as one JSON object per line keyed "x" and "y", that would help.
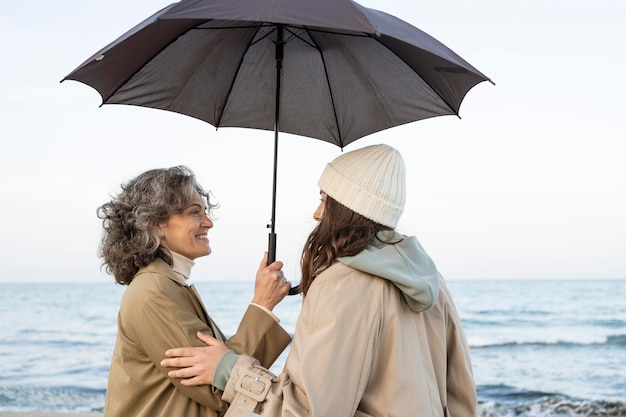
{"x": 157, "y": 313}
{"x": 359, "y": 350}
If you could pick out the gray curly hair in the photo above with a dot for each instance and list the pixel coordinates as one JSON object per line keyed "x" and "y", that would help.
{"x": 129, "y": 241}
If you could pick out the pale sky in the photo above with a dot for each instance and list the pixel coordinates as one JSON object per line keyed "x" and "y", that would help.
{"x": 530, "y": 182}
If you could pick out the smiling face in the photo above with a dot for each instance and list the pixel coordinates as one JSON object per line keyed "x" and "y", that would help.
{"x": 186, "y": 233}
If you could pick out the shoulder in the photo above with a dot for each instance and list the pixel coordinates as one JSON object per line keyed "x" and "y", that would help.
{"x": 343, "y": 299}
{"x": 341, "y": 274}
{"x": 155, "y": 278}
{"x": 341, "y": 282}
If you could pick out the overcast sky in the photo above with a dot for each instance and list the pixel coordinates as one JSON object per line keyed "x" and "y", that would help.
{"x": 530, "y": 182}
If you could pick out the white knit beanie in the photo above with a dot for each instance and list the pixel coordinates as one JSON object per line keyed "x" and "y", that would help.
{"x": 369, "y": 181}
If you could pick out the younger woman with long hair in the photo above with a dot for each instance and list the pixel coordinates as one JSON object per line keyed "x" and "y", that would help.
{"x": 378, "y": 334}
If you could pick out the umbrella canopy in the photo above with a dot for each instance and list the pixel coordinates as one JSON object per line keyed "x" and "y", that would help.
{"x": 327, "y": 69}
{"x": 347, "y": 70}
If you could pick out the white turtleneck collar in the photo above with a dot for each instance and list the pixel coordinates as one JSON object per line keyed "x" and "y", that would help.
{"x": 182, "y": 266}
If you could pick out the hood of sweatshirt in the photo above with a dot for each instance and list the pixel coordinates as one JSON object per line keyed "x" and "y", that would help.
{"x": 405, "y": 264}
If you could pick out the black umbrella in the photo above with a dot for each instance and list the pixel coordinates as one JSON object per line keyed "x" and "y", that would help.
{"x": 328, "y": 69}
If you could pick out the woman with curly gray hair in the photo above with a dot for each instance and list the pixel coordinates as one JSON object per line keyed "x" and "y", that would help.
{"x": 153, "y": 231}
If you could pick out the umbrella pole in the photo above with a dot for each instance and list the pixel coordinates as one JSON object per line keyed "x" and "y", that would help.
{"x": 279, "y": 68}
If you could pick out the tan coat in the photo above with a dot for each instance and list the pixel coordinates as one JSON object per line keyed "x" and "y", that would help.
{"x": 157, "y": 313}
{"x": 359, "y": 350}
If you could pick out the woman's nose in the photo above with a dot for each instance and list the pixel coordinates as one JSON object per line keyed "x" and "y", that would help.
{"x": 207, "y": 222}
{"x": 317, "y": 216}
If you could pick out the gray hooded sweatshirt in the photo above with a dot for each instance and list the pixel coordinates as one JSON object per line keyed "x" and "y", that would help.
{"x": 405, "y": 264}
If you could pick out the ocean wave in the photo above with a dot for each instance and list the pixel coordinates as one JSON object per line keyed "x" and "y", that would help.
{"x": 542, "y": 320}
{"x": 64, "y": 399}
{"x": 618, "y": 339}
{"x": 554, "y": 408}
{"x": 494, "y": 401}
{"x": 506, "y": 401}
{"x": 607, "y": 322}
{"x": 609, "y": 340}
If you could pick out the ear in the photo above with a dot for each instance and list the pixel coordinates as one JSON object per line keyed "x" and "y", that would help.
{"x": 156, "y": 227}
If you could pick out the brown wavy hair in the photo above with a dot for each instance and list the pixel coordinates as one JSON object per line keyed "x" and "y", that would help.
{"x": 129, "y": 241}
{"x": 340, "y": 232}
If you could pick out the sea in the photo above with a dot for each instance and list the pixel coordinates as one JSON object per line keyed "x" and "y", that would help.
{"x": 538, "y": 348}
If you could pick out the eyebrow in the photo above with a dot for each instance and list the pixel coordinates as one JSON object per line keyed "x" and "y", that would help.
{"x": 194, "y": 205}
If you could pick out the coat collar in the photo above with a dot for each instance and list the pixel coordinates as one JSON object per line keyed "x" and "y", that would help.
{"x": 159, "y": 266}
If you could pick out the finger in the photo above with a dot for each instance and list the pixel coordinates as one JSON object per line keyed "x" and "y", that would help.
{"x": 177, "y": 373}
{"x": 183, "y": 373}
{"x": 176, "y": 363}
{"x": 189, "y": 382}
{"x": 179, "y": 352}
{"x": 264, "y": 261}
{"x": 206, "y": 339}
{"x": 277, "y": 265}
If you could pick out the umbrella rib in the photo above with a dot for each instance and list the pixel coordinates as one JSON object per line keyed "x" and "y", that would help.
{"x": 286, "y": 26}
{"x": 295, "y": 34}
{"x": 257, "y": 27}
{"x": 331, "y": 32}
{"x": 264, "y": 36}
{"x": 447, "y": 103}
{"x": 330, "y": 91}
{"x": 116, "y": 89}
{"x": 236, "y": 73}
{"x": 377, "y": 38}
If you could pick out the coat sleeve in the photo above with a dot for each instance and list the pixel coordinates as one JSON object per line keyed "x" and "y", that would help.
{"x": 159, "y": 316}
{"x": 260, "y": 336}
{"x": 330, "y": 360}
{"x": 461, "y": 395}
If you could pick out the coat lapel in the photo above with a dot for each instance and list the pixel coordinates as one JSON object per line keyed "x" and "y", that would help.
{"x": 163, "y": 268}
{"x": 202, "y": 313}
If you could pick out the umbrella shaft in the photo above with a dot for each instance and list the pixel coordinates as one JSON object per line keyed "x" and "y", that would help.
{"x": 279, "y": 68}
